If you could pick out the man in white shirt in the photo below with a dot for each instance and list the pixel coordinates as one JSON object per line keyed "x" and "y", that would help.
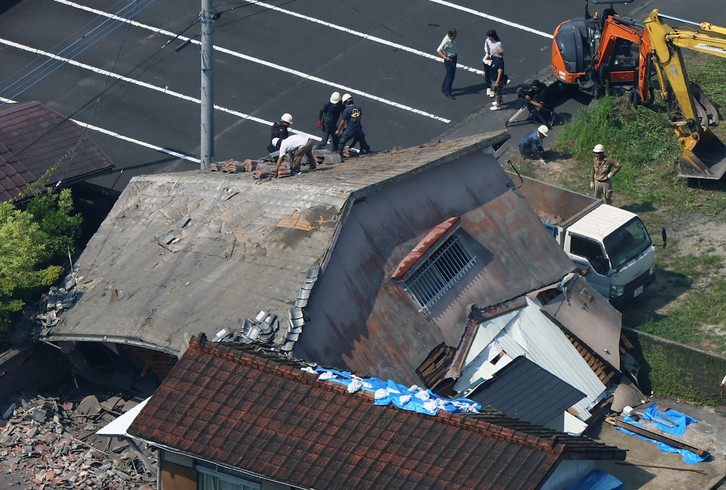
{"x": 296, "y": 145}
{"x": 447, "y": 50}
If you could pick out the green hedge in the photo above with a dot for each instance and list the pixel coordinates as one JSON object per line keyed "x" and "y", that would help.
{"x": 677, "y": 370}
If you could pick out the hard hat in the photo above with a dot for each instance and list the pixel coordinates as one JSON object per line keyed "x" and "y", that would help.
{"x": 598, "y": 149}
{"x": 347, "y": 97}
{"x": 286, "y": 118}
{"x": 543, "y": 129}
{"x": 275, "y": 141}
{"x": 335, "y": 98}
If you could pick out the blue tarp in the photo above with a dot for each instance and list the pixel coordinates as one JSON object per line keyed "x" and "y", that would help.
{"x": 597, "y": 480}
{"x": 681, "y": 420}
{"x": 386, "y": 393}
{"x": 688, "y": 456}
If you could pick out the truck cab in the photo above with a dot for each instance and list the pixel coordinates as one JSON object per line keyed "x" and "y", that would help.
{"x": 615, "y": 244}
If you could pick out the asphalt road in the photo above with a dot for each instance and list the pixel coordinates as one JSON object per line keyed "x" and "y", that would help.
{"x": 271, "y": 57}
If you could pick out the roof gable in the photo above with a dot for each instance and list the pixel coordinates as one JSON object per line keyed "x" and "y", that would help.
{"x": 259, "y": 413}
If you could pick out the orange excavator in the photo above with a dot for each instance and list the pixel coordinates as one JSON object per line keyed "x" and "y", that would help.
{"x": 608, "y": 48}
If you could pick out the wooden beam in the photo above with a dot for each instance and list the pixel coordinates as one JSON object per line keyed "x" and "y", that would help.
{"x": 652, "y": 435}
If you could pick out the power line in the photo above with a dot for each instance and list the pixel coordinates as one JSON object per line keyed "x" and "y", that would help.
{"x": 106, "y": 87}
{"x": 87, "y": 41}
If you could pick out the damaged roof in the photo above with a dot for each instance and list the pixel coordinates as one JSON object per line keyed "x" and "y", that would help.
{"x": 34, "y": 138}
{"x": 525, "y": 391}
{"x": 250, "y": 410}
{"x": 208, "y": 248}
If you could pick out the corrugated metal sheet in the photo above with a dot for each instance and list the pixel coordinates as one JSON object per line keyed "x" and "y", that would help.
{"x": 527, "y": 332}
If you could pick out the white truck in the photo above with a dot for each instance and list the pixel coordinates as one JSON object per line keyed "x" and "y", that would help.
{"x": 613, "y": 242}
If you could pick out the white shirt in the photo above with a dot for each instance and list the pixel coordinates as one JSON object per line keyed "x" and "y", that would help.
{"x": 488, "y": 45}
{"x": 447, "y": 46}
{"x": 293, "y": 142}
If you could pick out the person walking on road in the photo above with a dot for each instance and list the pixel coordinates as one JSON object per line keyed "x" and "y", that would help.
{"x": 296, "y": 145}
{"x": 603, "y": 169}
{"x": 530, "y": 146}
{"x": 351, "y": 120}
{"x": 328, "y": 121}
{"x": 497, "y": 75}
{"x": 279, "y": 130}
{"x": 492, "y": 40}
{"x": 447, "y": 50}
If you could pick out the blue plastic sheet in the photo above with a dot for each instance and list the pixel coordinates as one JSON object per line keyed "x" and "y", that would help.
{"x": 390, "y": 393}
{"x": 688, "y": 456}
{"x": 681, "y": 420}
{"x": 597, "y": 480}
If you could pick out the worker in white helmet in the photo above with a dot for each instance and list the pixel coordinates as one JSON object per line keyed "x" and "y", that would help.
{"x": 530, "y": 146}
{"x": 603, "y": 169}
{"x": 328, "y": 120}
{"x": 279, "y": 130}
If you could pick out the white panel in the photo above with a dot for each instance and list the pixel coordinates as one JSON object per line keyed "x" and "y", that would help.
{"x": 527, "y": 332}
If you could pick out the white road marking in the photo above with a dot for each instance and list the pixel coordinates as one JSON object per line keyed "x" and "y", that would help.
{"x": 363, "y": 35}
{"x": 491, "y": 17}
{"x": 340, "y": 87}
{"x": 122, "y": 137}
{"x": 133, "y": 81}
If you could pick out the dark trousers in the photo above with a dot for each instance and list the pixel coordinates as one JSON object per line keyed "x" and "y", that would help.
{"x": 450, "y": 74}
{"x": 542, "y": 116}
{"x": 529, "y": 152}
{"x": 329, "y": 132}
{"x": 360, "y": 136}
{"x": 487, "y": 77}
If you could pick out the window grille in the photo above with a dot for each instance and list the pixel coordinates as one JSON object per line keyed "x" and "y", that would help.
{"x": 441, "y": 271}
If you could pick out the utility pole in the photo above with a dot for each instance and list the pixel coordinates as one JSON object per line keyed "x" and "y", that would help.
{"x": 206, "y": 17}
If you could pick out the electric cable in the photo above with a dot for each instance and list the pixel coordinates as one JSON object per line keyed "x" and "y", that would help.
{"x": 98, "y": 99}
{"x": 115, "y": 82}
{"x": 56, "y": 64}
{"x": 54, "y": 47}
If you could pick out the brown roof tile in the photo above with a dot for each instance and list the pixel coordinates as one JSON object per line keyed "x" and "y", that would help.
{"x": 33, "y": 138}
{"x": 247, "y": 408}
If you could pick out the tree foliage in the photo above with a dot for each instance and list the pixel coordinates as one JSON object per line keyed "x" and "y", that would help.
{"x": 33, "y": 242}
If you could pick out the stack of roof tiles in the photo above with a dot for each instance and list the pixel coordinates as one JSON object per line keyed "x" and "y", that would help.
{"x": 34, "y": 138}
{"x": 240, "y": 406}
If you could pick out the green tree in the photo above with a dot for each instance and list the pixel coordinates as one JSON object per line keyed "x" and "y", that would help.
{"x": 32, "y": 245}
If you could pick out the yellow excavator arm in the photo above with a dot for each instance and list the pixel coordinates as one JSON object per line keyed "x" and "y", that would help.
{"x": 704, "y": 155}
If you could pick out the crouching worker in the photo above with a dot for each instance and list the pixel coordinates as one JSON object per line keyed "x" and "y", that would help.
{"x": 296, "y": 145}
{"x": 530, "y": 146}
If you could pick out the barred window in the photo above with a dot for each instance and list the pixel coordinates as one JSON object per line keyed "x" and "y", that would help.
{"x": 439, "y": 273}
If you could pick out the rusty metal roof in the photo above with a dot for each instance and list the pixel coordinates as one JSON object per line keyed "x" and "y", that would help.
{"x": 250, "y": 410}
{"x": 34, "y": 138}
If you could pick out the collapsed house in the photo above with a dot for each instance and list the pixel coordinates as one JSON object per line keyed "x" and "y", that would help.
{"x": 406, "y": 265}
{"x": 256, "y": 420}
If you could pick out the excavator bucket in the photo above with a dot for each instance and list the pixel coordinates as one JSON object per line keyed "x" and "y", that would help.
{"x": 706, "y": 161}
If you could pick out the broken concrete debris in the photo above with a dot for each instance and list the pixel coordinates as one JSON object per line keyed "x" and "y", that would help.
{"x": 44, "y": 314}
{"x": 49, "y": 444}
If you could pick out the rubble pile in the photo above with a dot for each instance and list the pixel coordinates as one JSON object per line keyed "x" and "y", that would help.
{"x": 47, "y": 444}
{"x": 42, "y": 316}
